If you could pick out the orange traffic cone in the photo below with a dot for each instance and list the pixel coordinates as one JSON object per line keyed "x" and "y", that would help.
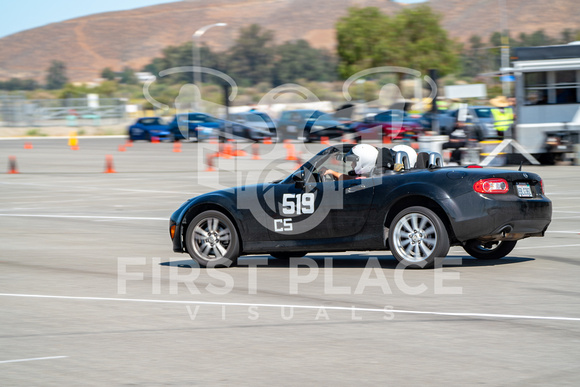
{"x": 27, "y": 145}
{"x": 177, "y": 147}
{"x": 225, "y": 150}
{"x": 12, "y": 169}
{"x": 155, "y": 140}
{"x": 129, "y": 143}
{"x": 109, "y": 164}
{"x": 237, "y": 152}
{"x": 122, "y": 148}
{"x": 73, "y": 141}
{"x": 209, "y": 161}
{"x": 268, "y": 141}
{"x": 324, "y": 140}
{"x": 386, "y": 139}
{"x": 74, "y": 144}
{"x": 290, "y": 151}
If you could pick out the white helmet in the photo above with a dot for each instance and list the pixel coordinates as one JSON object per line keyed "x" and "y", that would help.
{"x": 365, "y": 156}
{"x": 410, "y": 152}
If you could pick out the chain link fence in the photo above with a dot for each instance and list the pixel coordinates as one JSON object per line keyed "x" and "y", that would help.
{"x": 17, "y": 111}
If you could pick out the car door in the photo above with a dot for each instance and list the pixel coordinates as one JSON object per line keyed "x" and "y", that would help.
{"x": 321, "y": 210}
{"x": 201, "y": 126}
{"x": 317, "y": 209}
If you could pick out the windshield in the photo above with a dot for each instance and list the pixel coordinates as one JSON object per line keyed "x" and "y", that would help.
{"x": 152, "y": 121}
{"x": 330, "y": 158}
{"x": 483, "y": 112}
{"x": 391, "y": 115}
{"x": 316, "y": 114}
{"x": 266, "y": 118}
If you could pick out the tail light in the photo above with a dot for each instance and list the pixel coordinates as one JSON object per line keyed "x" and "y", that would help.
{"x": 542, "y": 187}
{"x": 491, "y": 186}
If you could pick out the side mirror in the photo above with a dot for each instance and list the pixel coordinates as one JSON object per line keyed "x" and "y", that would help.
{"x": 298, "y": 178}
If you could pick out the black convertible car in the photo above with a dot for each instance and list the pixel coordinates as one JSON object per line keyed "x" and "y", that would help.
{"x": 417, "y": 212}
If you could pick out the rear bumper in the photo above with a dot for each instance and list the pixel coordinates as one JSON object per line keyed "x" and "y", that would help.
{"x": 505, "y": 218}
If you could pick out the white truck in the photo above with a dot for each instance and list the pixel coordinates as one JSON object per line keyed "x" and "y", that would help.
{"x": 547, "y": 91}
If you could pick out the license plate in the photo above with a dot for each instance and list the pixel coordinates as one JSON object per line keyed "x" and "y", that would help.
{"x": 524, "y": 190}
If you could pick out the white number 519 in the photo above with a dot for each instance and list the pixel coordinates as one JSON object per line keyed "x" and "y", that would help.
{"x": 297, "y": 204}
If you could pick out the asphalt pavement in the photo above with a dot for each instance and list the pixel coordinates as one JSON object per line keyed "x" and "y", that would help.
{"x": 91, "y": 292}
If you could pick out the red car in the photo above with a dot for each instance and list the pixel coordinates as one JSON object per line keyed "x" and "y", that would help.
{"x": 395, "y": 124}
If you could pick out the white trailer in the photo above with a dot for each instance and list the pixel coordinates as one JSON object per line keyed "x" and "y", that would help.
{"x": 547, "y": 91}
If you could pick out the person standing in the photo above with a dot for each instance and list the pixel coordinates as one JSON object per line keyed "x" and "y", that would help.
{"x": 503, "y": 115}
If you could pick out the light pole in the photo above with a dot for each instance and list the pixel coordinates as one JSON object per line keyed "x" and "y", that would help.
{"x": 505, "y": 48}
{"x": 196, "y": 54}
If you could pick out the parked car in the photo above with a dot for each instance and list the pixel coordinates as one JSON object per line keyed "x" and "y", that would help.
{"x": 481, "y": 118}
{"x": 395, "y": 124}
{"x": 416, "y": 212}
{"x": 148, "y": 127}
{"x": 202, "y": 126}
{"x": 311, "y": 125}
{"x": 255, "y": 119}
{"x": 446, "y": 120}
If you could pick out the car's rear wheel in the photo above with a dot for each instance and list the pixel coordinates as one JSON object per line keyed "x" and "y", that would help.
{"x": 489, "y": 250}
{"x": 417, "y": 236}
{"x": 212, "y": 240}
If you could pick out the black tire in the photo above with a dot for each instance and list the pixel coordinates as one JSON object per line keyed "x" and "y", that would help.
{"x": 547, "y": 158}
{"x": 488, "y": 250}
{"x": 417, "y": 236}
{"x": 212, "y": 240}
{"x": 287, "y": 255}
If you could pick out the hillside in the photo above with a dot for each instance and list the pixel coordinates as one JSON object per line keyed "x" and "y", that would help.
{"x": 132, "y": 38}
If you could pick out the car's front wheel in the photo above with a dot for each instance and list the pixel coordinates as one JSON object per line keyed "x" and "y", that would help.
{"x": 489, "y": 250}
{"x": 417, "y": 236}
{"x": 212, "y": 240}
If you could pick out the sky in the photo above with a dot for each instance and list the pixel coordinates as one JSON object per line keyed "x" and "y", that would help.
{"x": 20, "y": 15}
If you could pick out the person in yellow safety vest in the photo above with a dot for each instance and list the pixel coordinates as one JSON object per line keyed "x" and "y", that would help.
{"x": 442, "y": 105}
{"x": 503, "y": 116}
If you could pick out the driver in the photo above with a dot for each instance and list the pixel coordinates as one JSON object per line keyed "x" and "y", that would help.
{"x": 363, "y": 158}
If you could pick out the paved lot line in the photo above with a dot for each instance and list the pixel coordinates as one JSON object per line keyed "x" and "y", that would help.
{"x": 85, "y": 217}
{"x": 33, "y": 359}
{"x": 344, "y": 308}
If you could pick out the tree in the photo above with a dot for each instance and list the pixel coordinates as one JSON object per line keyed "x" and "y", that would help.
{"x": 250, "y": 61}
{"x": 19, "y": 84}
{"x": 71, "y": 91}
{"x": 422, "y": 43}
{"x": 108, "y": 74}
{"x": 413, "y": 38}
{"x": 56, "y": 77}
{"x": 128, "y": 76}
{"x": 106, "y": 89}
{"x": 298, "y": 60}
{"x": 182, "y": 56}
{"x": 363, "y": 38}
{"x": 475, "y": 58}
